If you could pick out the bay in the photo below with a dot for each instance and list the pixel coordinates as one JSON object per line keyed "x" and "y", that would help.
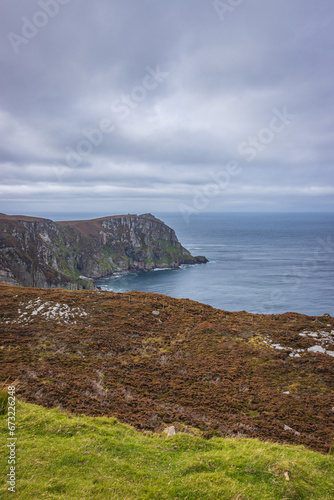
{"x": 258, "y": 262}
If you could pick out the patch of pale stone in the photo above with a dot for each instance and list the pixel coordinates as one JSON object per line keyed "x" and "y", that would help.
{"x": 325, "y": 338}
{"x": 36, "y": 309}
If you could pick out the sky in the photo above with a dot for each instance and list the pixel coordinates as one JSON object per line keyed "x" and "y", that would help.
{"x": 188, "y": 106}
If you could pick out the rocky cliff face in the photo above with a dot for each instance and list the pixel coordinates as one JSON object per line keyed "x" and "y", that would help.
{"x": 42, "y": 253}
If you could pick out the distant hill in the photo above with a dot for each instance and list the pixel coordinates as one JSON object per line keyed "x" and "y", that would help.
{"x": 71, "y": 254}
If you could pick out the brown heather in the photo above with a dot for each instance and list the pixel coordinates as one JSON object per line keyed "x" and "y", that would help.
{"x": 189, "y": 365}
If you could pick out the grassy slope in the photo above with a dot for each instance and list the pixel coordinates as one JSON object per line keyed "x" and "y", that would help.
{"x": 61, "y": 456}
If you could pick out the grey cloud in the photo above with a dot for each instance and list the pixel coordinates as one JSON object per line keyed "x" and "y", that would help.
{"x": 224, "y": 80}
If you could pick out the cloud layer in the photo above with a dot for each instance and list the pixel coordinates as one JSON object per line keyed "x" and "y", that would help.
{"x": 119, "y": 106}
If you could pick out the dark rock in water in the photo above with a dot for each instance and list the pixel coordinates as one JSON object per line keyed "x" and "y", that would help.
{"x": 71, "y": 254}
{"x": 200, "y": 259}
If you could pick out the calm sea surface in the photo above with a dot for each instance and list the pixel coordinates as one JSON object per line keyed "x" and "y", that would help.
{"x": 261, "y": 263}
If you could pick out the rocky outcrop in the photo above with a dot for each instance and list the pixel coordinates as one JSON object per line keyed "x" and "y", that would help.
{"x": 6, "y": 276}
{"x": 71, "y": 254}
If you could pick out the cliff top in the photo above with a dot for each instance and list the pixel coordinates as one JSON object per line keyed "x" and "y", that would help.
{"x": 88, "y": 227}
{"x": 98, "y": 219}
{"x": 21, "y": 218}
{"x": 29, "y": 218}
{"x": 92, "y": 227}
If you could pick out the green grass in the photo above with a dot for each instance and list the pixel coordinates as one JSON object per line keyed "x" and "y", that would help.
{"x": 60, "y": 456}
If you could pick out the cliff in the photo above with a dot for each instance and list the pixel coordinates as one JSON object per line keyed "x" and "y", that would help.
{"x": 71, "y": 254}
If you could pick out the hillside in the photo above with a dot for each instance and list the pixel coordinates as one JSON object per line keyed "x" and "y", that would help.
{"x": 71, "y": 254}
{"x": 151, "y": 361}
{"x": 62, "y": 456}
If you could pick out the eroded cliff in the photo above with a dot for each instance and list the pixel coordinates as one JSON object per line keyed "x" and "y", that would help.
{"x": 71, "y": 254}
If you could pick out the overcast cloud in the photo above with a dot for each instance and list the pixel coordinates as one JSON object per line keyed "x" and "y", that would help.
{"x": 116, "y": 106}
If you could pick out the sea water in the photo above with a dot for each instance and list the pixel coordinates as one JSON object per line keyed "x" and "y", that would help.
{"x": 258, "y": 262}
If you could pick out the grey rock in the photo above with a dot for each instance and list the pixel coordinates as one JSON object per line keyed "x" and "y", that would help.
{"x": 72, "y": 254}
{"x": 170, "y": 431}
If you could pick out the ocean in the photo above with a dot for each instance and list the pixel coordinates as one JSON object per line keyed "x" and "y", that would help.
{"x": 258, "y": 262}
